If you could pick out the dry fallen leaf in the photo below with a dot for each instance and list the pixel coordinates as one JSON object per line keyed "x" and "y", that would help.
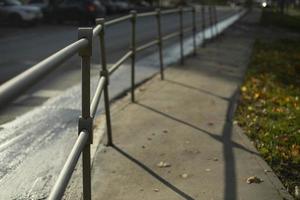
{"x": 210, "y": 123}
{"x": 163, "y": 164}
{"x": 253, "y": 179}
{"x": 184, "y": 175}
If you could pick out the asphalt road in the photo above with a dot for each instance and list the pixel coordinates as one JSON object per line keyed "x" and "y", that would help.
{"x": 34, "y": 146}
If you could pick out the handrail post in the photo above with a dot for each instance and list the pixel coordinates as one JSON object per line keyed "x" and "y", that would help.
{"x": 133, "y": 55}
{"x": 216, "y": 21}
{"x": 85, "y": 121}
{"x": 194, "y": 31}
{"x": 160, "y": 44}
{"x": 203, "y": 24}
{"x": 210, "y": 21}
{"x": 104, "y": 72}
{"x": 181, "y": 35}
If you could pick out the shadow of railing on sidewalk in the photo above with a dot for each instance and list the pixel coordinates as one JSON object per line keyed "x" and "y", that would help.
{"x": 214, "y": 136}
{"x": 152, "y": 173}
{"x": 197, "y": 89}
{"x": 230, "y": 192}
{"x": 230, "y": 188}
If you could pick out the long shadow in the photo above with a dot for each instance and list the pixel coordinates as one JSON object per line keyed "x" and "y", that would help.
{"x": 214, "y": 136}
{"x": 197, "y": 89}
{"x": 152, "y": 173}
{"x": 230, "y": 189}
{"x": 230, "y": 192}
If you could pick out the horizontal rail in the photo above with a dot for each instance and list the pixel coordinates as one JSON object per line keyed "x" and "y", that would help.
{"x": 171, "y": 11}
{"x": 119, "y": 63}
{"x": 146, "y": 46}
{"x": 97, "y": 30}
{"x": 97, "y": 96}
{"x": 117, "y": 20}
{"x": 57, "y": 191}
{"x": 21, "y": 82}
{"x": 188, "y": 9}
{"x": 147, "y": 14}
{"x": 188, "y": 29}
{"x": 171, "y": 35}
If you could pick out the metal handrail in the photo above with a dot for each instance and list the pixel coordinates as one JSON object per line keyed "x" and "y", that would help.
{"x": 147, "y": 14}
{"x": 97, "y": 29}
{"x": 21, "y": 82}
{"x": 83, "y": 46}
{"x": 171, "y": 35}
{"x": 97, "y": 96}
{"x": 188, "y": 9}
{"x": 187, "y": 29}
{"x": 63, "y": 179}
{"x": 89, "y": 110}
{"x": 147, "y": 45}
{"x": 119, "y": 63}
{"x": 117, "y": 20}
{"x": 170, "y": 11}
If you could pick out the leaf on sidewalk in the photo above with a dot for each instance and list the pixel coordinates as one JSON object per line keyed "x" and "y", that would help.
{"x": 253, "y": 179}
{"x": 163, "y": 164}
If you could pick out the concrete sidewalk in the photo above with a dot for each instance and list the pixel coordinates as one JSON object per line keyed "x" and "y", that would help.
{"x": 178, "y": 141}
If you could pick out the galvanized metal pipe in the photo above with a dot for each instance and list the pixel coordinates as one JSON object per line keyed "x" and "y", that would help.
{"x": 133, "y": 49}
{"x": 188, "y": 29}
{"x": 97, "y": 30}
{"x": 85, "y": 122}
{"x": 63, "y": 179}
{"x": 170, "y": 36}
{"x": 19, "y": 84}
{"x": 216, "y": 20}
{"x": 147, "y": 45}
{"x": 117, "y": 20}
{"x": 119, "y": 63}
{"x": 203, "y": 25}
{"x": 194, "y": 30}
{"x": 160, "y": 44}
{"x": 146, "y": 14}
{"x": 181, "y": 35}
{"x": 104, "y": 72}
{"x": 170, "y": 11}
{"x": 211, "y": 23}
{"x": 97, "y": 96}
{"x": 188, "y": 9}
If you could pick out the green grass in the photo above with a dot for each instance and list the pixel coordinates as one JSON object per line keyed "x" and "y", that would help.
{"x": 269, "y": 111}
{"x": 287, "y": 21}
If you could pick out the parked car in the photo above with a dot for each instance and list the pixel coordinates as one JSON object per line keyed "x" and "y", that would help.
{"x": 110, "y": 6}
{"x": 122, "y": 6}
{"x": 44, "y": 6}
{"x": 84, "y": 11}
{"x": 14, "y": 12}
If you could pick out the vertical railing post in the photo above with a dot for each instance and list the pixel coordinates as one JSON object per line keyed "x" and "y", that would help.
{"x": 104, "y": 72}
{"x": 160, "y": 44}
{"x": 181, "y": 35}
{"x": 85, "y": 121}
{"x": 203, "y": 24}
{"x": 133, "y": 55}
{"x": 210, "y": 21}
{"x": 194, "y": 31}
{"x": 216, "y": 20}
